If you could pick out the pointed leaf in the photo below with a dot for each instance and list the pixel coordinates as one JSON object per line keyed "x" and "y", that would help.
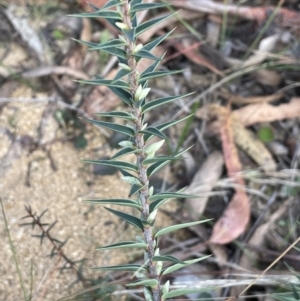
{"x": 134, "y": 221}
{"x": 118, "y": 52}
{"x": 105, "y": 14}
{"x": 98, "y": 46}
{"x": 155, "y": 132}
{"x": 148, "y": 24}
{"x": 126, "y": 267}
{"x": 151, "y": 45}
{"x": 134, "y": 189}
{"x": 160, "y": 159}
{"x": 157, "y": 166}
{"x": 111, "y": 3}
{"x": 146, "y": 76}
{"x": 117, "y": 114}
{"x": 158, "y": 203}
{"x": 124, "y": 151}
{"x": 167, "y": 195}
{"x": 151, "y": 68}
{"x": 161, "y": 101}
{"x": 130, "y": 34}
{"x": 144, "y": 282}
{"x": 147, "y": 55}
{"x": 177, "y": 227}
{"x": 113, "y": 126}
{"x": 125, "y": 244}
{"x": 185, "y": 291}
{"x": 122, "y": 202}
{"x": 168, "y": 124}
{"x": 167, "y": 258}
{"x": 121, "y": 73}
{"x": 147, "y": 6}
{"x": 178, "y": 266}
{"x": 105, "y": 82}
{"x": 122, "y": 94}
{"x": 118, "y": 164}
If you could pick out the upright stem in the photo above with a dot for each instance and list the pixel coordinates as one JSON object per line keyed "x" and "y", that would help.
{"x": 140, "y": 144}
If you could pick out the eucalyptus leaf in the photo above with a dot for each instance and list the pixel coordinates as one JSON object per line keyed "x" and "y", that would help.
{"x": 134, "y": 221}
{"x": 179, "y": 226}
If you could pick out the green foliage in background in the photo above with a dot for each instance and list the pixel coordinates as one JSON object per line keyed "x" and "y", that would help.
{"x": 132, "y": 89}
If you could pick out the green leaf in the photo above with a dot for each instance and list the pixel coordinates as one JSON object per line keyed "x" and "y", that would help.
{"x": 117, "y": 114}
{"x": 151, "y": 68}
{"x": 122, "y": 94}
{"x": 130, "y": 34}
{"x": 145, "y": 282}
{"x": 124, "y": 151}
{"x": 118, "y": 52}
{"x": 105, "y": 14}
{"x": 113, "y": 126}
{"x": 134, "y": 189}
{"x": 178, "y": 266}
{"x": 154, "y": 132}
{"x": 105, "y": 82}
{"x": 121, "y": 73}
{"x": 146, "y": 54}
{"x": 148, "y": 24}
{"x": 168, "y": 195}
{"x": 161, "y": 101}
{"x": 125, "y": 244}
{"x": 177, "y": 227}
{"x": 134, "y": 221}
{"x": 164, "y": 126}
{"x": 147, "y": 6}
{"x": 266, "y": 134}
{"x": 126, "y": 267}
{"x": 157, "y": 166}
{"x": 158, "y": 203}
{"x": 118, "y": 164}
{"x": 112, "y": 3}
{"x": 184, "y": 291}
{"x": 98, "y": 46}
{"x": 166, "y": 258}
{"x": 151, "y": 45}
{"x": 121, "y": 202}
{"x": 160, "y": 159}
{"x": 146, "y": 76}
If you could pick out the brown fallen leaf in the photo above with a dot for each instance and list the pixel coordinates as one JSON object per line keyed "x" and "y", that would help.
{"x": 268, "y": 77}
{"x": 255, "y": 149}
{"x": 202, "y": 183}
{"x": 239, "y": 99}
{"x": 243, "y": 138}
{"x": 197, "y": 58}
{"x": 265, "y": 112}
{"x": 235, "y": 218}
